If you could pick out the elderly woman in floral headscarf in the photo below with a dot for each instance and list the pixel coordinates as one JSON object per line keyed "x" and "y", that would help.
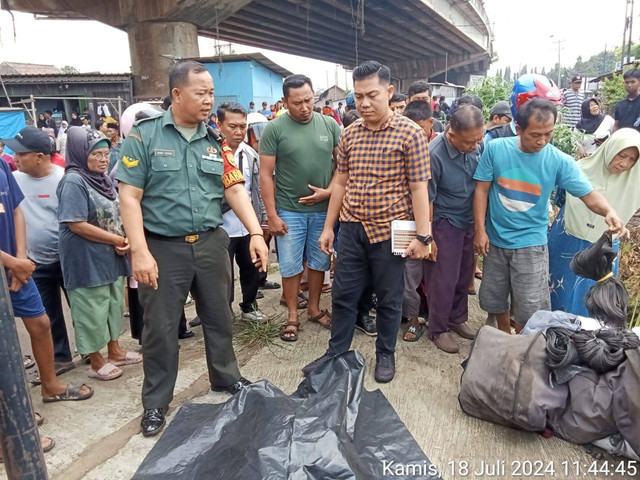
{"x": 614, "y": 172}
{"x": 92, "y": 249}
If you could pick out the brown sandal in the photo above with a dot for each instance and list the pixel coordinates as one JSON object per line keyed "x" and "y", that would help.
{"x": 286, "y": 334}
{"x": 317, "y": 318}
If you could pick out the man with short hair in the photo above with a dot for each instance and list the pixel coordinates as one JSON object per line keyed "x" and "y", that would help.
{"x": 300, "y": 146}
{"x": 173, "y": 174}
{"x": 86, "y": 121}
{"x": 420, "y": 90}
{"x": 499, "y": 115}
{"x": 8, "y": 159}
{"x": 381, "y": 176}
{"x": 50, "y": 122}
{"x": 454, "y": 157}
{"x": 102, "y": 127}
{"x": 265, "y": 111}
{"x": 398, "y": 103}
{"x": 515, "y": 178}
{"x": 252, "y": 107}
{"x": 627, "y": 111}
{"x": 341, "y": 111}
{"x": 232, "y": 122}
{"x": 572, "y": 100}
{"x": 38, "y": 179}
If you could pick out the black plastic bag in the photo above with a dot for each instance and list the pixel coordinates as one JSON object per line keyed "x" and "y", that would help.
{"x": 330, "y": 428}
{"x": 608, "y": 299}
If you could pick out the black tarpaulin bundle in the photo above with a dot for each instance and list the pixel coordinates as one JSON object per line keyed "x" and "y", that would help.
{"x": 329, "y": 428}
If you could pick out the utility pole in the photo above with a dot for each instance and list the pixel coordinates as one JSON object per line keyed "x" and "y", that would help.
{"x": 559, "y": 42}
{"x": 626, "y": 39}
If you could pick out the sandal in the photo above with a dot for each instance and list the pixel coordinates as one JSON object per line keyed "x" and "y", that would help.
{"x": 47, "y": 444}
{"x": 302, "y": 303}
{"x": 71, "y": 394}
{"x": 107, "y": 372}
{"x": 478, "y": 274}
{"x": 326, "y": 288}
{"x": 323, "y": 313}
{"x": 130, "y": 358}
{"x": 28, "y": 362}
{"x": 288, "y": 335}
{"x": 417, "y": 332}
{"x": 472, "y": 292}
{"x": 39, "y": 419}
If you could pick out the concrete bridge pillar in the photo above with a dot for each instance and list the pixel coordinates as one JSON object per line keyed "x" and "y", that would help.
{"x": 154, "y": 47}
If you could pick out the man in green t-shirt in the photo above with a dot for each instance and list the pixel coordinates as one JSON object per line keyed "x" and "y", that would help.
{"x": 301, "y": 146}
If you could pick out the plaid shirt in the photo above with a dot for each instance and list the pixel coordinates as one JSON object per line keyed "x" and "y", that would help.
{"x": 380, "y": 164}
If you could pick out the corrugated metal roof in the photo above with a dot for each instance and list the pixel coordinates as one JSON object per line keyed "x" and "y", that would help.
{"x": 246, "y": 57}
{"x": 68, "y": 78}
{"x": 18, "y": 68}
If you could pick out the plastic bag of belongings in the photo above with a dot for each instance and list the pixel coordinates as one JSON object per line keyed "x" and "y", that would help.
{"x": 582, "y": 383}
{"x": 329, "y": 428}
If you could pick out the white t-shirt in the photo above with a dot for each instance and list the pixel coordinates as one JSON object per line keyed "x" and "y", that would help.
{"x": 230, "y": 221}
{"x": 40, "y": 209}
{"x": 602, "y": 132}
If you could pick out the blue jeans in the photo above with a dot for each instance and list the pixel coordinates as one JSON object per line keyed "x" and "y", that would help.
{"x": 301, "y": 242}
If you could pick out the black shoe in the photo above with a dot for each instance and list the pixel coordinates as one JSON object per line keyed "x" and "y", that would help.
{"x": 63, "y": 367}
{"x": 152, "y": 421}
{"x": 196, "y": 322}
{"x": 307, "y": 369}
{"x": 385, "y": 367}
{"x": 268, "y": 285}
{"x": 186, "y": 334}
{"x": 259, "y": 295}
{"x": 234, "y": 387}
{"x": 367, "y": 324}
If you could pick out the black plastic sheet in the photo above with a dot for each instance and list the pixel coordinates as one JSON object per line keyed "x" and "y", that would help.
{"x": 330, "y": 428}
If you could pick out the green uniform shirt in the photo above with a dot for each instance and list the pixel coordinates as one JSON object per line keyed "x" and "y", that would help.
{"x": 304, "y": 154}
{"x": 183, "y": 181}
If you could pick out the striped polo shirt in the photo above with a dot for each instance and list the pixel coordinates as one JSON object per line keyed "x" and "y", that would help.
{"x": 572, "y": 102}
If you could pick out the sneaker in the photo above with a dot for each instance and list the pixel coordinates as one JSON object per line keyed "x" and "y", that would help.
{"x": 367, "y": 324}
{"x": 446, "y": 343}
{"x": 254, "y": 315}
{"x": 464, "y": 330}
{"x": 385, "y": 367}
{"x": 307, "y": 369}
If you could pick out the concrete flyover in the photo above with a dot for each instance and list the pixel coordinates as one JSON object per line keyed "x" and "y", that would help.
{"x": 418, "y": 39}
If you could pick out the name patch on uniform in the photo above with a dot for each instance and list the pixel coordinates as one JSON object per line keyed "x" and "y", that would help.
{"x": 213, "y": 157}
{"x": 159, "y": 152}
{"x": 130, "y": 162}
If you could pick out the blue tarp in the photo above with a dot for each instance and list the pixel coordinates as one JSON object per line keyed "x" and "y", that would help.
{"x": 11, "y": 122}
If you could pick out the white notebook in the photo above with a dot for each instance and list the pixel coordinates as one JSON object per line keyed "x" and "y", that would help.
{"x": 402, "y": 232}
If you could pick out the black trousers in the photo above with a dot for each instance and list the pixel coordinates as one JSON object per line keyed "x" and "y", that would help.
{"x": 249, "y": 273}
{"x": 202, "y": 268}
{"x": 359, "y": 264}
{"x": 48, "y": 278}
{"x": 136, "y": 316}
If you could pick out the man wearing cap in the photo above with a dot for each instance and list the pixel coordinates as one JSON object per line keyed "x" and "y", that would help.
{"x": 113, "y": 134}
{"x": 86, "y": 121}
{"x": 499, "y": 115}
{"x": 38, "y": 179}
{"x": 32, "y": 147}
{"x": 572, "y": 100}
{"x": 173, "y": 174}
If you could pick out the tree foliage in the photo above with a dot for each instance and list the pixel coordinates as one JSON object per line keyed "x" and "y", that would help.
{"x": 69, "y": 70}
{"x": 490, "y": 90}
{"x": 612, "y": 92}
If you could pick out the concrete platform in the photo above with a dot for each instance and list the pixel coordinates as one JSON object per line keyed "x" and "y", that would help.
{"x": 100, "y": 439}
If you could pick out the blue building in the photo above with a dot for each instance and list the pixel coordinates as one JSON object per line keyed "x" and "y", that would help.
{"x": 244, "y": 78}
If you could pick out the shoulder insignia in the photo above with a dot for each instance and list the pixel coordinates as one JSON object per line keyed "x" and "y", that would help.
{"x": 136, "y": 136}
{"x": 130, "y": 162}
{"x": 228, "y": 154}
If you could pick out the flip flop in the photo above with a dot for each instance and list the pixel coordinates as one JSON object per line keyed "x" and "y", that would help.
{"x": 472, "y": 292}
{"x": 478, "y": 275}
{"x": 71, "y": 394}
{"x": 45, "y": 448}
{"x": 302, "y": 303}
{"x": 416, "y": 331}
{"x": 327, "y": 288}
{"x": 39, "y": 419}
{"x": 108, "y": 372}
{"x": 317, "y": 318}
{"x": 28, "y": 362}
{"x": 129, "y": 359}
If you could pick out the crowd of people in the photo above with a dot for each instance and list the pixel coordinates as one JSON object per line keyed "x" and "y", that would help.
{"x": 169, "y": 209}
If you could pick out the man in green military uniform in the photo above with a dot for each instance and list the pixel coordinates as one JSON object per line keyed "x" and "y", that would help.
{"x": 173, "y": 175}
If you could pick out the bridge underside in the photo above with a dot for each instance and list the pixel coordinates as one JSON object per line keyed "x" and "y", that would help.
{"x": 415, "y": 38}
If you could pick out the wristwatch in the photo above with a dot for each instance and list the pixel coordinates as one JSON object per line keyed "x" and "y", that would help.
{"x": 426, "y": 239}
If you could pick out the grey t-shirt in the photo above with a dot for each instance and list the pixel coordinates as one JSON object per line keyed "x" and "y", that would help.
{"x": 86, "y": 263}
{"x": 40, "y": 208}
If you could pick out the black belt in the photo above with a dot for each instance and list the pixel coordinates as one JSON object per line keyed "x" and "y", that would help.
{"x": 190, "y": 238}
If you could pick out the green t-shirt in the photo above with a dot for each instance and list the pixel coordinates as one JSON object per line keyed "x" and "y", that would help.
{"x": 304, "y": 154}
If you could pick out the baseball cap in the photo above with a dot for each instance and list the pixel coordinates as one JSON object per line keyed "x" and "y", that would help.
{"x": 501, "y": 108}
{"x": 350, "y": 100}
{"x": 576, "y": 78}
{"x": 31, "y": 139}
